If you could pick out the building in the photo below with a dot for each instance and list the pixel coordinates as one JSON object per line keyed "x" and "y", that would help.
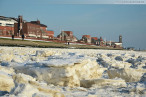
{"x": 98, "y": 42}
{"x": 108, "y": 43}
{"x": 94, "y": 40}
{"x": 32, "y": 29}
{"x": 118, "y": 44}
{"x": 67, "y": 36}
{"x": 7, "y": 25}
{"x": 48, "y": 35}
{"x": 86, "y": 39}
{"x": 120, "y": 39}
{"x": 101, "y": 42}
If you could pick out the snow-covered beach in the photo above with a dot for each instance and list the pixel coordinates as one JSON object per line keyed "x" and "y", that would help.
{"x": 53, "y": 72}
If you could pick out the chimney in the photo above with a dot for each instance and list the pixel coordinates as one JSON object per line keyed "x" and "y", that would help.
{"x": 38, "y": 22}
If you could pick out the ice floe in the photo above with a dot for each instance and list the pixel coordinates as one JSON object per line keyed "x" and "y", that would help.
{"x": 50, "y": 72}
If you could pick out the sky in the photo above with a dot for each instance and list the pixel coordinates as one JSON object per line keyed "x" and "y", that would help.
{"x": 95, "y": 18}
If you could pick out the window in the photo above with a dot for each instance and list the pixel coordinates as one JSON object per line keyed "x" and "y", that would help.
{"x": 11, "y": 25}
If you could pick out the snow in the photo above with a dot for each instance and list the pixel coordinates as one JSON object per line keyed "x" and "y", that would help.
{"x": 53, "y": 72}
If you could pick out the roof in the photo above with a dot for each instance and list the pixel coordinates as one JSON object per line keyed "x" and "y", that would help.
{"x": 38, "y": 23}
{"x": 87, "y": 36}
{"x": 7, "y": 18}
{"x": 95, "y": 38}
{"x": 50, "y": 32}
{"x": 68, "y": 32}
{"x": 42, "y": 25}
{"x": 116, "y": 43}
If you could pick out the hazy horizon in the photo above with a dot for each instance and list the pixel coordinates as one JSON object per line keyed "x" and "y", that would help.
{"x": 106, "y": 20}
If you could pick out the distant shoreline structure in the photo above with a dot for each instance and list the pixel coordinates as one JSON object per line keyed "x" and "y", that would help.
{"x": 18, "y": 42}
{"x": 19, "y": 28}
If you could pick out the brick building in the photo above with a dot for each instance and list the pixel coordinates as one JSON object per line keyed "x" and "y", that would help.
{"x": 32, "y": 29}
{"x": 7, "y": 25}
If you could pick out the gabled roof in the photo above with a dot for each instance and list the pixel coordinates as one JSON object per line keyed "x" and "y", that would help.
{"x": 62, "y": 33}
{"x": 95, "y": 38}
{"x": 68, "y": 32}
{"x": 87, "y": 36}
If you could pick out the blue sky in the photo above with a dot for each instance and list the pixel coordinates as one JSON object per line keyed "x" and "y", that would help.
{"x": 106, "y": 20}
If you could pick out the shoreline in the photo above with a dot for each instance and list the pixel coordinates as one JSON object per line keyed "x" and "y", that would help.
{"x": 43, "y": 44}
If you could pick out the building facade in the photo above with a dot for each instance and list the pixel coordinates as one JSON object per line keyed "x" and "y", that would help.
{"x": 118, "y": 44}
{"x": 67, "y": 36}
{"x": 94, "y": 40}
{"x": 32, "y": 29}
{"x": 86, "y": 39}
{"x": 101, "y": 42}
{"x": 7, "y": 25}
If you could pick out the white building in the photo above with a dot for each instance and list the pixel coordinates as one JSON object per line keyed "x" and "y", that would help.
{"x": 118, "y": 44}
{"x": 7, "y": 21}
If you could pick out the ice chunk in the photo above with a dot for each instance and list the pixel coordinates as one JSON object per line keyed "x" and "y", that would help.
{"x": 128, "y": 74}
{"x": 65, "y": 75}
{"x": 6, "y": 81}
{"x": 102, "y": 83}
{"x": 119, "y": 58}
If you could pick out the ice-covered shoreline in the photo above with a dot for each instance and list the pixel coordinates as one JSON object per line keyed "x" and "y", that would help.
{"x": 57, "y": 72}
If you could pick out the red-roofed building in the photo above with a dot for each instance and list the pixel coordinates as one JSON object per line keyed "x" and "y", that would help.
{"x": 86, "y": 39}
{"x": 94, "y": 40}
{"x": 69, "y": 33}
{"x": 100, "y": 42}
{"x": 67, "y": 36}
{"x": 87, "y": 36}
